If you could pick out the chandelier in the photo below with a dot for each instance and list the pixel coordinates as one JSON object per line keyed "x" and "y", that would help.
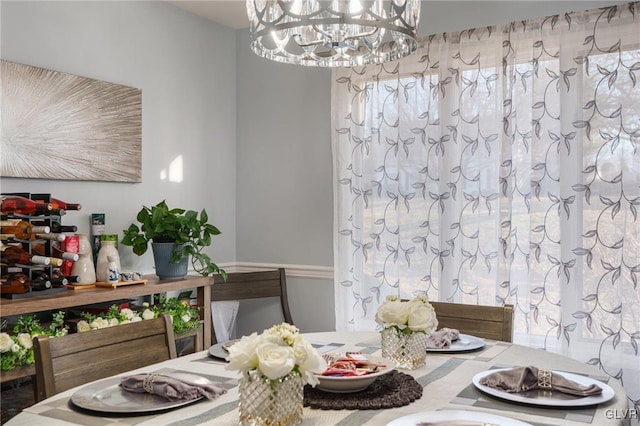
{"x": 333, "y": 33}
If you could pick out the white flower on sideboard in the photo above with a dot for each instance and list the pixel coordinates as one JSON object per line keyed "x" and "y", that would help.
{"x": 148, "y": 314}
{"x": 5, "y": 342}
{"x": 25, "y": 340}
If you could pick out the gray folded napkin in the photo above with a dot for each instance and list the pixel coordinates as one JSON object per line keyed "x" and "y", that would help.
{"x": 442, "y": 338}
{"x": 170, "y": 387}
{"x": 522, "y": 379}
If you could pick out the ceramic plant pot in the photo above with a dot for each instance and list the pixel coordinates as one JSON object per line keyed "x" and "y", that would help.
{"x": 162, "y": 257}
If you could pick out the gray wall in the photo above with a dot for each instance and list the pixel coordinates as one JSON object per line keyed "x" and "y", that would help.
{"x": 185, "y": 66}
{"x": 285, "y": 204}
{"x": 454, "y": 15}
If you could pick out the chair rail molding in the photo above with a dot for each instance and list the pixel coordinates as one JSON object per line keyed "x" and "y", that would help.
{"x": 302, "y": 271}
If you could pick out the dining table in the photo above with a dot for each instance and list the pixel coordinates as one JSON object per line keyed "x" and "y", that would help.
{"x": 446, "y": 380}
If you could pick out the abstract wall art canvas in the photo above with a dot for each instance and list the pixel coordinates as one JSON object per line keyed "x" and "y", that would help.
{"x": 63, "y": 126}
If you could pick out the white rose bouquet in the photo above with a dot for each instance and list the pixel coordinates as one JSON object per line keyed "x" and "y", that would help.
{"x": 275, "y": 353}
{"x": 407, "y": 316}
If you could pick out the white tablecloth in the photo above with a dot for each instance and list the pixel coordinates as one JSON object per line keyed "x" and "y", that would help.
{"x": 446, "y": 379}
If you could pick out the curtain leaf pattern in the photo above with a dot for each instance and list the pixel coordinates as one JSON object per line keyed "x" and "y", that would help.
{"x": 500, "y": 165}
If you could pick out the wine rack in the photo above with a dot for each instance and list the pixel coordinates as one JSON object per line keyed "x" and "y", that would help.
{"x": 33, "y": 270}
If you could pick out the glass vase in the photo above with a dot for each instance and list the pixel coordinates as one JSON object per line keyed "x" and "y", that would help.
{"x": 270, "y": 402}
{"x": 408, "y": 351}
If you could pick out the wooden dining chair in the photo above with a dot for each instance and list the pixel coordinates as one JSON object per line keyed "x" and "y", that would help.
{"x": 252, "y": 285}
{"x": 489, "y": 322}
{"x": 67, "y": 361}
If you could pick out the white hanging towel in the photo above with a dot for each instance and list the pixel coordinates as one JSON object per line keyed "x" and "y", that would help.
{"x": 223, "y": 315}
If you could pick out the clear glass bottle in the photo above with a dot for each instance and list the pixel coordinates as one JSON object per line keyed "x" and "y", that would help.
{"x": 20, "y": 229}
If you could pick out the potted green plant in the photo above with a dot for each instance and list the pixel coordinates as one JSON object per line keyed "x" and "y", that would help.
{"x": 177, "y": 233}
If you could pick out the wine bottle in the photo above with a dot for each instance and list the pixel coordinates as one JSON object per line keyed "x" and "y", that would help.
{"x": 55, "y": 261}
{"x": 20, "y": 229}
{"x": 55, "y": 257}
{"x": 40, "y": 281}
{"x": 40, "y": 249}
{"x": 58, "y": 204}
{"x": 15, "y": 283}
{"x": 58, "y": 279}
{"x": 64, "y": 255}
{"x": 14, "y": 255}
{"x": 51, "y": 236}
{"x": 56, "y": 226}
{"x": 22, "y": 205}
{"x": 59, "y": 282}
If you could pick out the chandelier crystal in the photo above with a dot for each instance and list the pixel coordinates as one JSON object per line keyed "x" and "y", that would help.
{"x": 333, "y": 33}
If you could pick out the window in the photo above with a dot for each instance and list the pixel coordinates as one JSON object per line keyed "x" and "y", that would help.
{"x": 499, "y": 165}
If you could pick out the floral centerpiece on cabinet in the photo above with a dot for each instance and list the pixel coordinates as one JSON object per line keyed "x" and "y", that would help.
{"x": 16, "y": 350}
{"x": 406, "y": 326}
{"x": 275, "y": 365}
{"x": 184, "y": 317}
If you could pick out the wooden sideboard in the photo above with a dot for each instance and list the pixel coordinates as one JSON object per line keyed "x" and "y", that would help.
{"x": 73, "y": 298}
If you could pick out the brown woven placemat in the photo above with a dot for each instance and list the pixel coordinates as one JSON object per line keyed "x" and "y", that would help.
{"x": 394, "y": 389}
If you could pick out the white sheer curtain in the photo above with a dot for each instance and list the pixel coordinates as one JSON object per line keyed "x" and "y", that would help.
{"x": 500, "y": 165}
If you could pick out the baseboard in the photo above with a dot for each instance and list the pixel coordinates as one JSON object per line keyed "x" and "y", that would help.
{"x": 302, "y": 271}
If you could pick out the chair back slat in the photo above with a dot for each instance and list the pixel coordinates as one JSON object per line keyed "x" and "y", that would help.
{"x": 82, "y": 342}
{"x": 243, "y": 289}
{"x": 490, "y": 322}
{"x": 253, "y": 285}
{"x": 68, "y": 361}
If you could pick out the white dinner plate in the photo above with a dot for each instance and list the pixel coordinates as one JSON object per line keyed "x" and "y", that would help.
{"x": 464, "y": 343}
{"x": 107, "y": 396}
{"x": 461, "y": 417}
{"x": 546, "y": 398}
{"x": 218, "y": 351}
{"x": 354, "y": 383}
